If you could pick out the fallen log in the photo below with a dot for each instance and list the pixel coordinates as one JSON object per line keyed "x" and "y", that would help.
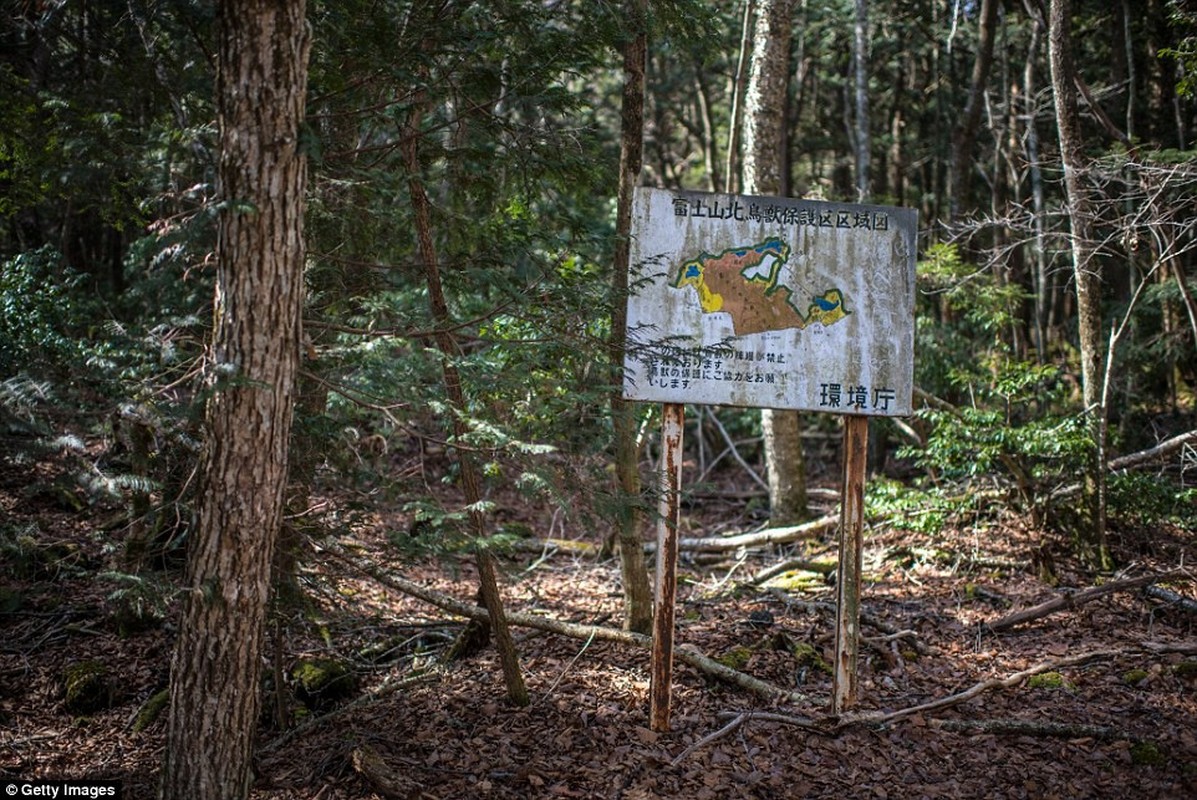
{"x": 695, "y": 544}
{"x": 804, "y": 564}
{"x": 1174, "y": 599}
{"x": 768, "y": 536}
{"x": 687, "y": 654}
{"x": 1026, "y": 727}
{"x": 1072, "y": 600}
{"x": 1164, "y": 448}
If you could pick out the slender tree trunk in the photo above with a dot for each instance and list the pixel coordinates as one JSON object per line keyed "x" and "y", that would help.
{"x": 710, "y": 147}
{"x": 262, "y": 57}
{"x": 488, "y": 587}
{"x": 1086, "y": 266}
{"x": 966, "y": 133}
{"x": 764, "y": 148}
{"x": 637, "y": 592}
{"x": 1044, "y": 294}
{"x": 731, "y": 174}
{"x": 860, "y": 69}
{"x": 1128, "y": 44}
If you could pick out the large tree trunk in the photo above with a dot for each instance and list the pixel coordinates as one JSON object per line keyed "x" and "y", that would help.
{"x": 637, "y": 592}
{"x": 764, "y": 149}
{"x": 262, "y": 61}
{"x": 1086, "y": 267}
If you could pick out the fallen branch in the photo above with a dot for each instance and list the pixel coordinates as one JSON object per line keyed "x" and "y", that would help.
{"x": 1173, "y": 599}
{"x": 1023, "y": 727}
{"x": 827, "y": 726}
{"x": 385, "y": 780}
{"x": 697, "y": 544}
{"x": 882, "y": 718}
{"x": 876, "y": 719}
{"x": 821, "y": 567}
{"x": 687, "y": 654}
{"x": 790, "y": 533}
{"x": 739, "y": 720}
{"x": 389, "y": 687}
{"x": 1074, "y": 599}
{"x": 1160, "y": 648}
{"x": 1164, "y": 448}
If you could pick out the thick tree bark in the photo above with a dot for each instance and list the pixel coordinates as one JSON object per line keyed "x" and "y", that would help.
{"x": 1085, "y": 265}
{"x": 764, "y": 149}
{"x": 261, "y": 83}
{"x": 637, "y": 592}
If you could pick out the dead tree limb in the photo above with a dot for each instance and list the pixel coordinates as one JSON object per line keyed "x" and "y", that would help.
{"x": 383, "y": 778}
{"x": 1026, "y": 727}
{"x": 1161, "y": 450}
{"x": 687, "y": 654}
{"x": 881, "y": 718}
{"x": 1074, "y": 599}
{"x": 1174, "y": 599}
{"x": 698, "y": 544}
{"x": 768, "y": 536}
{"x": 805, "y": 564}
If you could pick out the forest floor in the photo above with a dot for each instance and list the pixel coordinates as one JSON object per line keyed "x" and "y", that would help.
{"x": 1117, "y": 719}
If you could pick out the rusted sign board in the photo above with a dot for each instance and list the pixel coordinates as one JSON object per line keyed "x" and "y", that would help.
{"x": 766, "y": 302}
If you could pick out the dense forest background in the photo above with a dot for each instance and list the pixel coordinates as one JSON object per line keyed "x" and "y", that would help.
{"x": 1065, "y": 416}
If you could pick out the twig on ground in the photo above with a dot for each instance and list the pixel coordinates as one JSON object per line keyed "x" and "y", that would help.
{"x": 687, "y": 654}
{"x": 1073, "y": 599}
{"x": 387, "y": 688}
{"x": 739, "y": 720}
{"x": 1024, "y": 727}
{"x": 548, "y": 692}
{"x": 822, "y": 567}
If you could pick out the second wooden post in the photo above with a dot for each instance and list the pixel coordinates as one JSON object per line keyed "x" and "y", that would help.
{"x": 673, "y": 419}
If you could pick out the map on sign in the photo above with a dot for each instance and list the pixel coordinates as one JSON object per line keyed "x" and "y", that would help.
{"x": 771, "y": 302}
{"x": 745, "y": 282}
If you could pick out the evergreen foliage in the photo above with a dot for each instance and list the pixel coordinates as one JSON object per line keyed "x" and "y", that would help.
{"x": 108, "y": 208}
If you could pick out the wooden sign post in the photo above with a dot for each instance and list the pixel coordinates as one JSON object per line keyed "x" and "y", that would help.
{"x": 847, "y": 587}
{"x": 669, "y": 514}
{"x": 768, "y": 302}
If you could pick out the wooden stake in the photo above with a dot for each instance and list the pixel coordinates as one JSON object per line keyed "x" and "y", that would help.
{"x": 847, "y": 627}
{"x": 669, "y": 512}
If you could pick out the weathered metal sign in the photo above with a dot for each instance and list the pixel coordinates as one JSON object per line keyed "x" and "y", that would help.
{"x": 771, "y": 302}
